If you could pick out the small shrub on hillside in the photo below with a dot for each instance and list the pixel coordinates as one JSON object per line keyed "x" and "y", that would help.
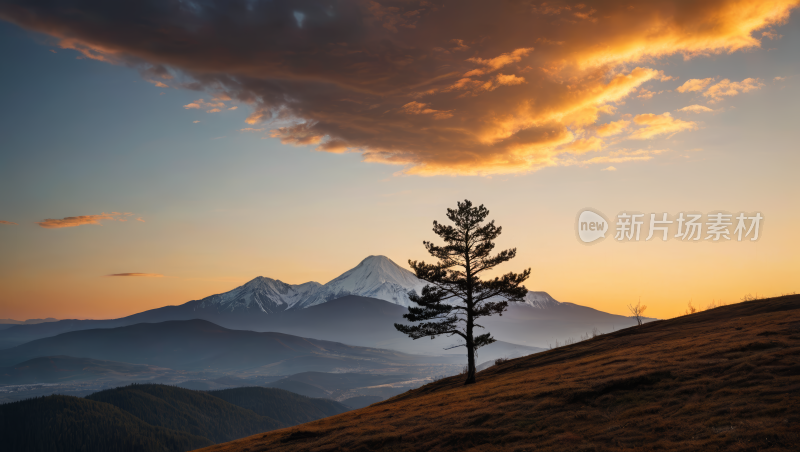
{"x": 499, "y": 361}
{"x": 716, "y": 304}
{"x": 637, "y": 311}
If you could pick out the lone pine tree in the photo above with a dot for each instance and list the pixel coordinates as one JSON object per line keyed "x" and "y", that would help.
{"x": 455, "y": 296}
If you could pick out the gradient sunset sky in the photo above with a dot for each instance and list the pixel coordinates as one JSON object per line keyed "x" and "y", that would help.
{"x": 188, "y": 147}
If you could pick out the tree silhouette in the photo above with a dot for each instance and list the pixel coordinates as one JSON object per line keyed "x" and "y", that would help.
{"x": 455, "y": 296}
{"x": 638, "y": 311}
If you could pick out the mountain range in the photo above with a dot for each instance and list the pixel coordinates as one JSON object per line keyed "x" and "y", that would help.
{"x": 358, "y": 307}
{"x": 374, "y": 277}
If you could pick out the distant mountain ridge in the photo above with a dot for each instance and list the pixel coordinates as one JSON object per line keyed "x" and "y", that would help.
{"x": 26, "y": 322}
{"x": 265, "y": 304}
{"x": 200, "y": 345}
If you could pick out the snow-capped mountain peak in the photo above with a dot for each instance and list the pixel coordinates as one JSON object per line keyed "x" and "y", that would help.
{"x": 376, "y": 277}
{"x": 373, "y": 269}
{"x": 540, "y": 300}
{"x": 260, "y": 294}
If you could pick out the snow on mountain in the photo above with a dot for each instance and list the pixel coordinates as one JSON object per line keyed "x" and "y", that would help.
{"x": 260, "y": 294}
{"x": 376, "y": 277}
{"x": 540, "y": 300}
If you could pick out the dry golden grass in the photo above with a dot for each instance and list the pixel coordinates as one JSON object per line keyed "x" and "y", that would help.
{"x": 722, "y": 379}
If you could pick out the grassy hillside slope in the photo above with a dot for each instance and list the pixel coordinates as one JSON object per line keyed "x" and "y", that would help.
{"x": 723, "y": 379}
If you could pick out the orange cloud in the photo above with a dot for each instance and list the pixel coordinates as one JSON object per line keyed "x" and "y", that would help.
{"x": 612, "y": 128}
{"x": 418, "y": 108}
{"x": 620, "y": 156}
{"x": 509, "y": 80}
{"x": 493, "y": 64}
{"x": 726, "y": 88}
{"x": 695, "y": 109}
{"x": 645, "y": 93}
{"x": 6, "y": 222}
{"x": 475, "y": 87}
{"x": 70, "y": 222}
{"x": 256, "y": 117}
{"x": 459, "y": 45}
{"x": 695, "y": 84}
{"x": 502, "y": 106}
{"x": 656, "y": 125}
{"x": 583, "y": 145}
{"x": 298, "y": 135}
{"x": 212, "y": 107}
{"x": 146, "y": 275}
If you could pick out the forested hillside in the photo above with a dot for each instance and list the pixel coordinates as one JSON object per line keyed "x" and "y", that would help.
{"x": 283, "y": 406}
{"x": 72, "y": 424}
{"x": 151, "y": 417}
{"x": 193, "y": 412}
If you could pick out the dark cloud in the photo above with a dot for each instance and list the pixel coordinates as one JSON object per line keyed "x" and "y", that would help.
{"x": 463, "y": 86}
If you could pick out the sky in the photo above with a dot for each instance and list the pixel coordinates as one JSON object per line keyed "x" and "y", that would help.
{"x": 188, "y": 147}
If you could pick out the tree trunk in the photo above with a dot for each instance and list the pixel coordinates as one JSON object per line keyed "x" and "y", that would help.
{"x": 470, "y": 320}
{"x": 470, "y": 365}
{"x": 470, "y": 352}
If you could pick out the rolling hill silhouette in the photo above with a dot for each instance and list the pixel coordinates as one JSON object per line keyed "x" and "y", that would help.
{"x": 153, "y": 417}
